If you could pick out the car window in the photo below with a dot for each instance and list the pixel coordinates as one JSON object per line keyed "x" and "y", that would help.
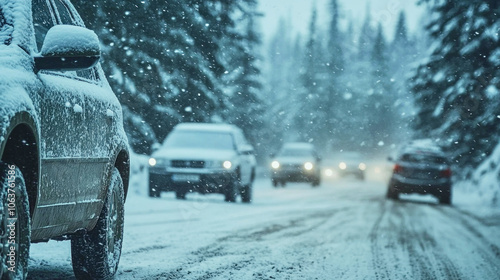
{"x": 65, "y": 16}
{"x": 43, "y": 20}
{"x": 423, "y": 158}
{"x": 296, "y": 153}
{"x": 200, "y": 139}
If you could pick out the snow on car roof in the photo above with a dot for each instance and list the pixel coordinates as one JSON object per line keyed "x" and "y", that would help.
{"x": 17, "y": 13}
{"x": 215, "y": 127}
{"x": 422, "y": 146}
{"x": 298, "y": 145}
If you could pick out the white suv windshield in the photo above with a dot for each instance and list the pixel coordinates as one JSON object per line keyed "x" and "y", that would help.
{"x": 296, "y": 153}
{"x": 200, "y": 139}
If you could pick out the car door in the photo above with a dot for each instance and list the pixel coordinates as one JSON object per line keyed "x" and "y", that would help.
{"x": 102, "y": 110}
{"x": 63, "y": 134}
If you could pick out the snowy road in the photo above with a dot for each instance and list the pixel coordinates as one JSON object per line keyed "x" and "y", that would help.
{"x": 341, "y": 230}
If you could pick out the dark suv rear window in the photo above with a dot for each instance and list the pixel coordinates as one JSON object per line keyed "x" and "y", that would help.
{"x": 5, "y": 30}
{"x": 423, "y": 158}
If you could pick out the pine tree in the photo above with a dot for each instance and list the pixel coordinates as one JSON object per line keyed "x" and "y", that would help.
{"x": 243, "y": 84}
{"x": 456, "y": 88}
{"x": 307, "y": 117}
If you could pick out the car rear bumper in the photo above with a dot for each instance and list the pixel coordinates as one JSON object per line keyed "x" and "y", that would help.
{"x": 433, "y": 188}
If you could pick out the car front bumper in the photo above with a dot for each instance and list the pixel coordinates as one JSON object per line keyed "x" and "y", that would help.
{"x": 295, "y": 175}
{"x": 202, "y": 182}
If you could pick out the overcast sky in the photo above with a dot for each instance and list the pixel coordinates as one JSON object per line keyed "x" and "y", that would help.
{"x": 299, "y": 11}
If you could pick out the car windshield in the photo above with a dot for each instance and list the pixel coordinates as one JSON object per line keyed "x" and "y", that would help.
{"x": 200, "y": 140}
{"x": 295, "y": 153}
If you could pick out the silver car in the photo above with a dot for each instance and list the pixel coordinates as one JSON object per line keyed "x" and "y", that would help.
{"x": 204, "y": 158}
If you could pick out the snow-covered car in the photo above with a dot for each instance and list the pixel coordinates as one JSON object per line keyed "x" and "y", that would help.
{"x": 296, "y": 162}
{"x": 64, "y": 159}
{"x": 421, "y": 169}
{"x": 351, "y": 164}
{"x": 204, "y": 158}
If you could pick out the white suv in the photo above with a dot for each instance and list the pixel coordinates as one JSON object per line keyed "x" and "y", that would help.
{"x": 203, "y": 158}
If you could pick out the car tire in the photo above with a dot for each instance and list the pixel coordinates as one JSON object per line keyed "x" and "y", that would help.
{"x": 95, "y": 254}
{"x": 445, "y": 197}
{"x": 392, "y": 193}
{"x": 13, "y": 190}
{"x": 231, "y": 191}
{"x": 246, "y": 193}
{"x": 275, "y": 183}
{"x": 283, "y": 183}
{"x": 180, "y": 195}
{"x": 316, "y": 182}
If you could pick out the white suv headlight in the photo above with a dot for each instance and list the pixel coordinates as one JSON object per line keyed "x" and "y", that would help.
{"x": 227, "y": 164}
{"x": 217, "y": 164}
{"x": 308, "y": 166}
{"x": 158, "y": 162}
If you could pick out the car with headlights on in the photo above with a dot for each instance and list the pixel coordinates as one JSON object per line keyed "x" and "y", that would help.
{"x": 204, "y": 158}
{"x": 296, "y": 162}
{"x": 423, "y": 170}
{"x": 351, "y": 164}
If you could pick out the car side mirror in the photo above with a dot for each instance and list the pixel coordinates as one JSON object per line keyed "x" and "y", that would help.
{"x": 68, "y": 48}
{"x": 246, "y": 150}
{"x": 155, "y": 147}
{"x": 389, "y": 158}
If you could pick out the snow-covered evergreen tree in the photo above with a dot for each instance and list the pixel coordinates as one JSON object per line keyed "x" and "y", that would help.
{"x": 166, "y": 60}
{"x": 457, "y": 86}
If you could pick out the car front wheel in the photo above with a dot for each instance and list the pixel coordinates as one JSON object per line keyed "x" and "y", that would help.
{"x": 15, "y": 220}
{"x": 95, "y": 254}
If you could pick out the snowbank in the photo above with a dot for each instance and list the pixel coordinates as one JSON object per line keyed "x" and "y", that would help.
{"x": 484, "y": 187}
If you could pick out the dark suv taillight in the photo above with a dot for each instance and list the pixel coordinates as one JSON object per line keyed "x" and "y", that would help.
{"x": 446, "y": 173}
{"x": 398, "y": 168}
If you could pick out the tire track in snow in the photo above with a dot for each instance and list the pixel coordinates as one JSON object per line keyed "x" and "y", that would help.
{"x": 244, "y": 256}
{"x": 413, "y": 252}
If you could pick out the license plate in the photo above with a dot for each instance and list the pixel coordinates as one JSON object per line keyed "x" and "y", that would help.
{"x": 185, "y": 178}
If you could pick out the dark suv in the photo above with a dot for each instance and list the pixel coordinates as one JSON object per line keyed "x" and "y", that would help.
{"x": 423, "y": 170}
{"x": 64, "y": 161}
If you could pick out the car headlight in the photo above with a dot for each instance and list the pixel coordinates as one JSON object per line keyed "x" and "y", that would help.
{"x": 308, "y": 166}
{"x": 227, "y": 164}
{"x": 275, "y": 164}
{"x": 362, "y": 166}
{"x": 217, "y": 164}
{"x": 329, "y": 172}
{"x": 152, "y": 161}
{"x": 343, "y": 165}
